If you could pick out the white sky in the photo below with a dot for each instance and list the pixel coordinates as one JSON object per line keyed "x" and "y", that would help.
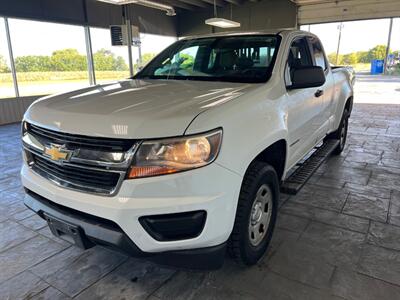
{"x": 357, "y": 35}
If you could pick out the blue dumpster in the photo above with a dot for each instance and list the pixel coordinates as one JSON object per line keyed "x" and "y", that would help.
{"x": 377, "y": 66}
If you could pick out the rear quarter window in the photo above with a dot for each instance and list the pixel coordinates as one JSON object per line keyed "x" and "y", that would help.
{"x": 318, "y": 53}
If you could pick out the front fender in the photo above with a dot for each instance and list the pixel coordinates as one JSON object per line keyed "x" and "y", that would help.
{"x": 248, "y": 129}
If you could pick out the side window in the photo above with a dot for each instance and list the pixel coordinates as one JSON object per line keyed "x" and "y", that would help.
{"x": 318, "y": 53}
{"x": 299, "y": 56}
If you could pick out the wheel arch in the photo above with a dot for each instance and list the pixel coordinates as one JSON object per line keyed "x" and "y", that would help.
{"x": 275, "y": 155}
{"x": 349, "y": 104}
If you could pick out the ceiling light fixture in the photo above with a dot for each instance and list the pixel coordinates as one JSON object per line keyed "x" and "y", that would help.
{"x": 152, "y": 4}
{"x": 221, "y": 22}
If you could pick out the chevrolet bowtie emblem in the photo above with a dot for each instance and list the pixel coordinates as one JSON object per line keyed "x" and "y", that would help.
{"x": 57, "y": 152}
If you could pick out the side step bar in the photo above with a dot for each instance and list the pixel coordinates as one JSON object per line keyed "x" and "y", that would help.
{"x": 302, "y": 174}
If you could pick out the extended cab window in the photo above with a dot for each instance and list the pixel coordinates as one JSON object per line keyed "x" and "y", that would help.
{"x": 232, "y": 58}
{"x": 299, "y": 56}
{"x": 318, "y": 53}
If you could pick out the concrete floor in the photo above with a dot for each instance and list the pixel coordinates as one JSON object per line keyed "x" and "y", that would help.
{"x": 338, "y": 239}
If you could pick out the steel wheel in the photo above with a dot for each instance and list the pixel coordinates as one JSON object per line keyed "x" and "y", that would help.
{"x": 256, "y": 214}
{"x": 260, "y": 216}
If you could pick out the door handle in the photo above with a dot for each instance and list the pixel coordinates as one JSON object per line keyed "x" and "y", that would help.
{"x": 319, "y": 93}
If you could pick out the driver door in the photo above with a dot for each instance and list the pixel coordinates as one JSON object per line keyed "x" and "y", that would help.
{"x": 326, "y": 98}
{"x": 303, "y": 105}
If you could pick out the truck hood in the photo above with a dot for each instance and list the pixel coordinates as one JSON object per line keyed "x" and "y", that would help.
{"x": 133, "y": 108}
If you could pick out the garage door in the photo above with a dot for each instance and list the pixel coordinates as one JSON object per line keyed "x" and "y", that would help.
{"x": 321, "y": 11}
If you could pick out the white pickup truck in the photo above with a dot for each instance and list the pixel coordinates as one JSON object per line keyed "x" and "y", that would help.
{"x": 186, "y": 160}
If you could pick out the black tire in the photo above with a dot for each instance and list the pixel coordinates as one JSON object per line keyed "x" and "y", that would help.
{"x": 341, "y": 133}
{"x": 240, "y": 245}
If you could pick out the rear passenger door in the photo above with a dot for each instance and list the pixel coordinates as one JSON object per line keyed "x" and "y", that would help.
{"x": 303, "y": 105}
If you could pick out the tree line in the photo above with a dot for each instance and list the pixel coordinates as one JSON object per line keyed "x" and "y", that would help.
{"x": 65, "y": 60}
{"x": 105, "y": 60}
{"x": 378, "y": 52}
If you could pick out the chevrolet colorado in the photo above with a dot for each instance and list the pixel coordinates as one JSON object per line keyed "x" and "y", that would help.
{"x": 185, "y": 160}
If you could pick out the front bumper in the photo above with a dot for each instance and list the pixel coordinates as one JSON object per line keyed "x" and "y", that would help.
{"x": 213, "y": 189}
{"x": 103, "y": 232}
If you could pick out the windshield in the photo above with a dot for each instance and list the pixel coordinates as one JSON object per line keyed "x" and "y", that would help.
{"x": 233, "y": 58}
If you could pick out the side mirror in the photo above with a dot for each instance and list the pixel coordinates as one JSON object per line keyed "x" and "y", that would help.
{"x": 307, "y": 77}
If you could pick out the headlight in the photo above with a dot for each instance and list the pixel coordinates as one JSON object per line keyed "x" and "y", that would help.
{"x": 174, "y": 155}
{"x": 24, "y": 127}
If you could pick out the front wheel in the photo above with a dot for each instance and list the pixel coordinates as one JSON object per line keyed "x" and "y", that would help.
{"x": 256, "y": 214}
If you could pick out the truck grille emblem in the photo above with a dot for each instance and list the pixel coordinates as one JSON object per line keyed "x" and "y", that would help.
{"x": 57, "y": 152}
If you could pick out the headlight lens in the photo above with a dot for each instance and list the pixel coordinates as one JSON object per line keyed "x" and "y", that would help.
{"x": 24, "y": 127}
{"x": 173, "y": 155}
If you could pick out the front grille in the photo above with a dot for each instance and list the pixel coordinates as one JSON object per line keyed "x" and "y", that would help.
{"x": 85, "y": 170}
{"x": 72, "y": 141}
{"x": 77, "y": 178}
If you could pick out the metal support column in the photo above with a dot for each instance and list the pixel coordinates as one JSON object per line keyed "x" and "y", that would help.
{"x": 89, "y": 55}
{"x": 340, "y": 27}
{"x": 385, "y": 69}
{"x": 140, "y": 55}
{"x": 11, "y": 56}
{"x": 129, "y": 33}
{"x": 88, "y": 43}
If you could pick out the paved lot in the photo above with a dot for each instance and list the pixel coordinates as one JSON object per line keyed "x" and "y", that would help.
{"x": 338, "y": 239}
{"x": 377, "y": 89}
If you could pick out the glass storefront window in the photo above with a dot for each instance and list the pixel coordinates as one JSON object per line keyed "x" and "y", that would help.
{"x": 49, "y": 57}
{"x": 355, "y": 50}
{"x": 6, "y": 80}
{"x": 110, "y": 62}
{"x": 151, "y": 45}
{"x": 394, "y": 58}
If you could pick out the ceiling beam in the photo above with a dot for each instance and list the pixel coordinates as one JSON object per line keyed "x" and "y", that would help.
{"x": 198, "y": 3}
{"x": 310, "y": 2}
{"x": 179, "y": 4}
{"x": 236, "y": 2}
{"x": 219, "y": 3}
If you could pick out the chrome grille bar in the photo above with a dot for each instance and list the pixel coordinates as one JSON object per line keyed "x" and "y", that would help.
{"x": 81, "y": 174}
{"x": 81, "y": 141}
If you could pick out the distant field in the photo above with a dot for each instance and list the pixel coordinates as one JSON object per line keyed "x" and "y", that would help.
{"x": 362, "y": 67}
{"x": 61, "y": 76}
{"x": 366, "y": 68}
{"x": 42, "y": 83}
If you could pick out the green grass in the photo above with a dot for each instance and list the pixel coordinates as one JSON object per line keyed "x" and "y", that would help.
{"x": 43, "y": 77}
{"x": 362, "y": 67}
{"x": 41, "y": 83}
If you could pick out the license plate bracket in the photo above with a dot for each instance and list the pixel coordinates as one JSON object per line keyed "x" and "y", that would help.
{"x": 68, "y": 232}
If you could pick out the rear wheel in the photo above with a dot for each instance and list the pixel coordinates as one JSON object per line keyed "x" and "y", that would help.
{"x": 341, "y": 133}
{"x": 256, "y": 214}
